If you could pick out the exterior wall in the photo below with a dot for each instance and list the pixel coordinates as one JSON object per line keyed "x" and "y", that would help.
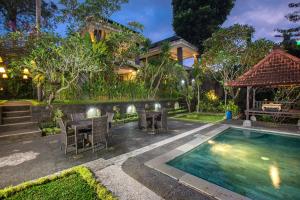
{"x": 41, "y": 113}
{"x": 128, "y": 76}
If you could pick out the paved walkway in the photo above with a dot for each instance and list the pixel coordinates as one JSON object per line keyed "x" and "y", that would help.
{"x": 29, "y": 158}
{"x": 110, "y": 173}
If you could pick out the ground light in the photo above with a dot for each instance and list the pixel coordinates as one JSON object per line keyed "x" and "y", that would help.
{"x": 93, "y": 112}
{"x": 157, "y": 106}
{"x": 131, "y": 109}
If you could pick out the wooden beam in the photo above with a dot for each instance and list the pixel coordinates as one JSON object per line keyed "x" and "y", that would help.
{"x": 180, "y": 55}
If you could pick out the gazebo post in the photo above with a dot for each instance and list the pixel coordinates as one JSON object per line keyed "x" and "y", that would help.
{"x": 253, "y": 97}
{"x": 248, "y": 103}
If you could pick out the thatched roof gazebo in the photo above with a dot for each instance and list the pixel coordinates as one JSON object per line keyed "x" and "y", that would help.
{"x": 277, "y": 69}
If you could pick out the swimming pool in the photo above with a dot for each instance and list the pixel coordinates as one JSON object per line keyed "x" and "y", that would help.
{"x": 255, "y": 164}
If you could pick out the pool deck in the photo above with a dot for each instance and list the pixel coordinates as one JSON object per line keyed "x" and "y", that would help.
{"x": 27, "y": 158}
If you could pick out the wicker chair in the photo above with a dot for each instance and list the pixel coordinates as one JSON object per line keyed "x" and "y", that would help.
{"x": 99, "y": 132}
{"x": 142, "y": 123}
{"x": 110, "y": 117}
{"x": 162, "y": 120}
{"x": 69, "y": 138}
{"x": 78, "y": 116}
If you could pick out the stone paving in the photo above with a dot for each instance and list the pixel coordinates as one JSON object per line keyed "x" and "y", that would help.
{"x": 30, "y": 158}
{"x": 110, "y": 173}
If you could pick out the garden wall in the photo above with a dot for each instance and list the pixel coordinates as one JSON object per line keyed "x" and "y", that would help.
{"x": 42, "y": 113}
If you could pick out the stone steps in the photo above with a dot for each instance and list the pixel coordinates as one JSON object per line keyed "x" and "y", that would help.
{"x": 16, "y": 113}
{"x": 17, "y": 122}
{"x": 15, "y": 108}
{"x": 13, "y": 120}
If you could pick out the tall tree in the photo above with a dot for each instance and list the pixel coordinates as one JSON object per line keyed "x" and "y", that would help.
{"x": 290, "y": 35}
{"x": 77, "y": 12}
{"x": 19, "y": 15}
{"x": 195, "y": 21}
{"x": 230, "y": 51}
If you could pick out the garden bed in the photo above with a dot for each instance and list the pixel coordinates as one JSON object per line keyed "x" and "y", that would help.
{"x": 75, "y": 183}
{"x": 201, "y": 117}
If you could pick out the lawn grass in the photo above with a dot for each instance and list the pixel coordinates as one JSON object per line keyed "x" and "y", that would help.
{"x": 201, "y": 117}
{"x": 73, "y": 184}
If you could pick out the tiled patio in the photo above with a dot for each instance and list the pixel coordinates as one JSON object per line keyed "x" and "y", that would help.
{"x": 29, "y": 158}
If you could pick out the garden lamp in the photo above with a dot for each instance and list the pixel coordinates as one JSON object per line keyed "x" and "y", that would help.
{"x": 4, "y": 76}
{"x": 2, "y": 67}
{"x": 25, "y": 77}
{"x": 25, "y": 71}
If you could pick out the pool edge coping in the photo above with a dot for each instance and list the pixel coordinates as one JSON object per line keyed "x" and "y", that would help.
{"x": 211, "y": 189}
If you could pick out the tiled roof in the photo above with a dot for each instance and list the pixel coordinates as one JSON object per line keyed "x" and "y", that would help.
{"x": 276, "y": 69}
{"x": 170, "y": 39}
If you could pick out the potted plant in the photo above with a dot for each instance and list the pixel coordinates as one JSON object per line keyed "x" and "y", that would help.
{"x": 230, "y": 110}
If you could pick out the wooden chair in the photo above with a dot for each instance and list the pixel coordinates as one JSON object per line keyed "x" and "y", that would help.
{"x": 69, "y": 138}
{"x": 99, "y": 132}
{"x": 142, "y": 122}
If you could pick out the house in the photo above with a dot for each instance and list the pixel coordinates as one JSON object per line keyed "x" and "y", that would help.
{"x": 180, "y": 48}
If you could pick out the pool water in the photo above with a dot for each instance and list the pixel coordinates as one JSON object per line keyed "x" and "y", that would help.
{"x": 258, "y": 165}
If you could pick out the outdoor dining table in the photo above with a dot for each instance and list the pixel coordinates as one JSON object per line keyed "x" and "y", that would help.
{"x": 152, "y": 115}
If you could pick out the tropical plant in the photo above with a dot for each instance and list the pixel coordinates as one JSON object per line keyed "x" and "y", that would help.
{"x": 198, "y": 73}
{"x": 59, "y": 63}
{"x": 157, "y": 70}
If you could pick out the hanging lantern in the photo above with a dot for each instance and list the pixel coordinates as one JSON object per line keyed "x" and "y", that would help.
{"x": 1, "y": 60}
{"x": 4, "y": 76}
{"x": 25, "y": 77}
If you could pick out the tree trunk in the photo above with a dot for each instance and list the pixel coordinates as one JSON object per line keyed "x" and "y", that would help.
{"x": 198, "y": 99}
{"x": 38, "y": 12}
{"x": 225, "y": 92}
{"x": 38, "y": 26}
{"x": 188, "y": 104}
